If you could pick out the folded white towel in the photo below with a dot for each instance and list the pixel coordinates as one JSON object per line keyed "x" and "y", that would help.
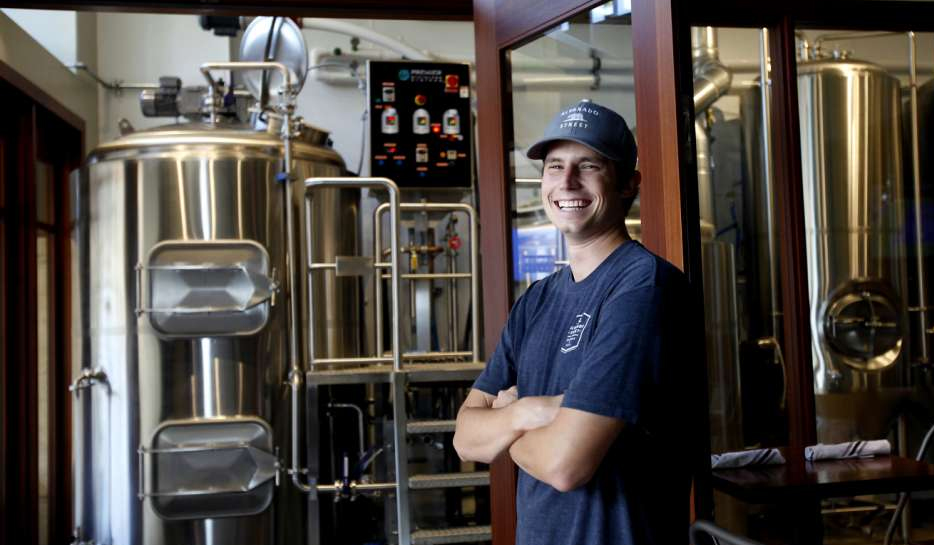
{"x": 851, "y": 449}
{"x": 756, "y": 457}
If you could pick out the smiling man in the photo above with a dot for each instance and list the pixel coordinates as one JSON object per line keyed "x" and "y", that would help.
{"x": 585, "y": 390}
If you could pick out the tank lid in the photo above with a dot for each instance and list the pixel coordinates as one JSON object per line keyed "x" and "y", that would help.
{"x": 842, "y": 64}
{"x": 206, "y": 134}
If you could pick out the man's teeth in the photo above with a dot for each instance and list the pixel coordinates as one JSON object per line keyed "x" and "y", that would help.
{"x": 572, "y": 204}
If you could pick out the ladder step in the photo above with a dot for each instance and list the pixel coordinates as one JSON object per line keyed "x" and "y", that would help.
{"x": 430, "y": 426}
{"x": 467, "y": 534}
{"x": 449, "y": 480}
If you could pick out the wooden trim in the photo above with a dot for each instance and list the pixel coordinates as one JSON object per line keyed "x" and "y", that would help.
{"x": 790, "y": 204}
{"x": 33, "y": 124}
{"x": 519, "y": 21}
{"x": 354, "y": 9}
{"x": 492, "y": 185}
{"x": 493, "y": 194}
{"x": 20, "y": 443}
{"x": 656, "y": 121}
{"x": 34, "y": 92}
{"x": 838, "y": 14}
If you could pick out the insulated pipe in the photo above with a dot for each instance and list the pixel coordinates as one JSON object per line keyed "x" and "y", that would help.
{"x": 711, "y": 79}
{"x": 368, "y": 35}
{"x": 704, "y": 175}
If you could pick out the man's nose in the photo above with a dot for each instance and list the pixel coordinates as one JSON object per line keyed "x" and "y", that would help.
{"x": 570, "y": 178}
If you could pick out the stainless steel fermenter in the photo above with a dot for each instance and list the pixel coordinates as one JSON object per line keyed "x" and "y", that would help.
{"x": 855, "y": 234}
{"x": 180, "y": 344}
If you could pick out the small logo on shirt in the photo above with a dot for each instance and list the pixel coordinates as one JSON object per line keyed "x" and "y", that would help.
{"x": 575, "y": 332}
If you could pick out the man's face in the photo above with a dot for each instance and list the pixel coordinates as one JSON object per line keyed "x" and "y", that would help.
{"x": 579, "y": 191}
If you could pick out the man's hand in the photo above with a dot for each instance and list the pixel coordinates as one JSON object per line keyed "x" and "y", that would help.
{"x": 530, "y": 413}
{"x": 487, "y": 425}
{"x": 506, "y": 397}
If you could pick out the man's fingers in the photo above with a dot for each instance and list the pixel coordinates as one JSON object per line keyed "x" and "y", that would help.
{"x": 505, "y": 397}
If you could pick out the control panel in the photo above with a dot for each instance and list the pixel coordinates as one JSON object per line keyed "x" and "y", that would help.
{"x": 420, "y": 123}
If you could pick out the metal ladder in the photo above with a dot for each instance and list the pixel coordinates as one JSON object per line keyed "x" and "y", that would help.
{"x": 405, "y": 368}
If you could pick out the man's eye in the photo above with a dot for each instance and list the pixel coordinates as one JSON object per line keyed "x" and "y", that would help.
{"x": 555, "y": 167}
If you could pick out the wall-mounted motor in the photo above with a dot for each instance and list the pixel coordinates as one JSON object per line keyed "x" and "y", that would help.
{"x": 173, "y": 100}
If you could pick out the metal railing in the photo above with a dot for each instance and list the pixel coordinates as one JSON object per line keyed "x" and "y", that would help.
{"x": 452, "y": 276}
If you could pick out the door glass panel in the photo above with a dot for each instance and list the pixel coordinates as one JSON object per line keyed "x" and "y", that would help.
{"x": 44, "y": 320}
{"x": 586, "y": 57}
{"x": 739, "y": 251}
{"x": 742, "y": 297}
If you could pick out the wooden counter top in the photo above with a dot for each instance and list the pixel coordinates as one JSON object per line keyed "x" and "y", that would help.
{"x": 824, "y": 479}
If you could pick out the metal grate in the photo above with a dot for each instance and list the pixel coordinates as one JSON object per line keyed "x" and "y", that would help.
{"x": 449, "y": 480}
{"x": 467, "y": 534}
{"x": 430, "y": 426}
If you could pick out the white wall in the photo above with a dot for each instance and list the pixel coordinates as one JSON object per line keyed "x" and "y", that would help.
{"x": 141, "y": 47}
{"x": 339, "y": 108}
{"x": 55, "y": 30}
{"x": 26, "y": 56}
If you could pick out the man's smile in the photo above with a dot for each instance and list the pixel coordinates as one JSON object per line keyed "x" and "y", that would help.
{"x": 572, "y": 204}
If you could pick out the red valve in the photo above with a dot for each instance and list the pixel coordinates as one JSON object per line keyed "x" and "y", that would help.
{"x": 454, "y": 242}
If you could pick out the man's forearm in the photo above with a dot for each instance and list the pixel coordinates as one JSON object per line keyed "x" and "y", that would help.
{"x": 482, "y": 434}
{"x": 536, "y": 452}
{"x": 566, "y": 453}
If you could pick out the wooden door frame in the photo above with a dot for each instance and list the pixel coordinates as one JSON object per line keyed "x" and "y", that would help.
{"x": 20, "y": 402}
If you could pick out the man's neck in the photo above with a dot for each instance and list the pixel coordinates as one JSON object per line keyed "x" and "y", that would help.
{"x": 586, "y": 255}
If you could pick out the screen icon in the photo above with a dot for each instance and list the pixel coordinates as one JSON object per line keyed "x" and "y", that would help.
{"x": 451, "y": 120}
{"x": 390, "y": 121}
{"x": 421, "y": 121}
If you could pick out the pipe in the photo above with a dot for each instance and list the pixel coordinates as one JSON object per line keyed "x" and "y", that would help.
{"x": 359, "y": 412}
{"x": 916, "y": 190}
{"x": 117, "y": 86}
{"x": 711, "y": 79}
{"x": 903, "y": 497}
{"x": 212, "y": 85}
{"x": 474, "y": 264}
{"x": 368, "y": 35}
{"x": 704, "y": 175}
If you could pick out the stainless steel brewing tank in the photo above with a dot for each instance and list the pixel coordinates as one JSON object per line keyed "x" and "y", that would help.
{"x": 854, "y": 223}
{"x": 192, "y": 403}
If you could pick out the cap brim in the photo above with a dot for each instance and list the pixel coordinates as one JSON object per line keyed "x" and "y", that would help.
{"x": 540, "y": 148}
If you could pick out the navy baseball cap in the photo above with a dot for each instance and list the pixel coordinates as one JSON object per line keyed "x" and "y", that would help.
{"x": 595, "y": 126}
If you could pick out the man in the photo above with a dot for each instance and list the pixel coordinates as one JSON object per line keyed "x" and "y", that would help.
{"x": 585, "y": 390}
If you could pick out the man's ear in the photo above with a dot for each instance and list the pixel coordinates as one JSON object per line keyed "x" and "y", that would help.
{"x": 631, "y": 189}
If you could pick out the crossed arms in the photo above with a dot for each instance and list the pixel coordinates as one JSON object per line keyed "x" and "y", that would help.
{"x": 560, "y": 446}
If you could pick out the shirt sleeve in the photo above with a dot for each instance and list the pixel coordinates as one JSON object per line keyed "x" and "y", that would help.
{"x": 501, "y": 371}
{"x": 620, "y": 370}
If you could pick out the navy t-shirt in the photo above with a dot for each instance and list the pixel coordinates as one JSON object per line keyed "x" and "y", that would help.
{"x": 615, "y": 344}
